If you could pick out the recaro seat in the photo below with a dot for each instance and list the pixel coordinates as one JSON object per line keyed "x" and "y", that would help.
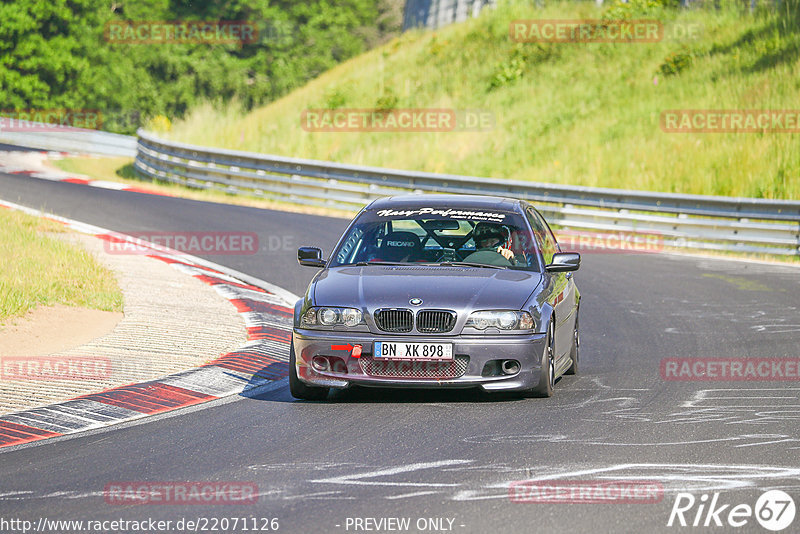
{"x": 400, "y": 246}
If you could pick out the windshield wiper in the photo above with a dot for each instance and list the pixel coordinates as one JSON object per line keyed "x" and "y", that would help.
{"x": 367, "y": 263}
{"x": 415, "y": 264}
{"x": 469, "y": 264}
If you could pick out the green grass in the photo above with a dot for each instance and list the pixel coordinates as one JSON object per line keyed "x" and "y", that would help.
{"x": 37, "y": 269}
{"x": 572, "y": 113}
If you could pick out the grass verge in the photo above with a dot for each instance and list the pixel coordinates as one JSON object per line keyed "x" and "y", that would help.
{"x": 39, "y": 269}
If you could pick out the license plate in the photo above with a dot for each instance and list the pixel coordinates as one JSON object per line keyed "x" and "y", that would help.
{"x": 413, "y": 351}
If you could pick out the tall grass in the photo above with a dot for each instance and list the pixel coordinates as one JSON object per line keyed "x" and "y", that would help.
{"x": 38, "y": 269}
{"x": 570, "y": 113}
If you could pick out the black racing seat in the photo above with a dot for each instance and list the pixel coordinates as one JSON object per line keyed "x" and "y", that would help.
{"x": 400, "y": 246}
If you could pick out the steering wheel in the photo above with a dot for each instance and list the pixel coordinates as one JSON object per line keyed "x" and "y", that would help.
{"x": 448, "y": 254}
{"x": 488, "y": 257}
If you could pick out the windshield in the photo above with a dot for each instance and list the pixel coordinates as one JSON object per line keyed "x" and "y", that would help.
{"x": 434, "y": 236}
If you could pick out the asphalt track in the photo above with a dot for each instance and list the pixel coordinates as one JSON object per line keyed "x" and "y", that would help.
{"x": 453, "y": 454}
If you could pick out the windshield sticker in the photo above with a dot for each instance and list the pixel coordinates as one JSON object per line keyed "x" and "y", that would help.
{"x": 444, "y": 212}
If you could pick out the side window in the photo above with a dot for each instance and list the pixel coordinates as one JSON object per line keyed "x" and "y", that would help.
{"x": 544, "y": 237}
{"x": 350, "y": 246}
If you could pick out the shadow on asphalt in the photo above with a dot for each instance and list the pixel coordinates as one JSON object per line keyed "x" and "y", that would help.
{"x": 14, "y": 148}
{"x": 269, "y": 377}
{"x": 357, "y": 395}
{"x": 255, "y": 390}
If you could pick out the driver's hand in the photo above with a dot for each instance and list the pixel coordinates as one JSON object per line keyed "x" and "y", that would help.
{"x": 506, "y": 253}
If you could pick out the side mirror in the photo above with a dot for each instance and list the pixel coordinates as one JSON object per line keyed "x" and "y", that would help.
{"x": 310, "y": 257}
{"x": 563, "y": 262}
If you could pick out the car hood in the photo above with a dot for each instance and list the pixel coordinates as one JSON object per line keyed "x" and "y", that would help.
{"x": 461, "y": 288}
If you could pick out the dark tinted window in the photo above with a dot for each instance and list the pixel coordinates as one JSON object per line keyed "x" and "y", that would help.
{"x": 439, "y": 235}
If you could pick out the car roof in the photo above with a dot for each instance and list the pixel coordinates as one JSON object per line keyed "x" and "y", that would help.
{"x": 450, "y": 201}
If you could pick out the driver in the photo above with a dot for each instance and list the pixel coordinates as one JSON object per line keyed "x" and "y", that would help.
{"x": 488, "y": 236}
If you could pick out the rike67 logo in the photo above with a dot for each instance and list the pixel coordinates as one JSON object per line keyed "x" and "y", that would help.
{"x": 774, "y": 510}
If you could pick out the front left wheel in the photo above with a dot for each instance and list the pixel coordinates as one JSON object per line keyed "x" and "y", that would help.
{"x": 547, "y": 371}
{"x": 298, "y": 388}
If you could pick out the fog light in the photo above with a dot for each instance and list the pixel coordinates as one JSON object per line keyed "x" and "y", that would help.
{"x": 510, "y": 367}
{"x": 320, "y": 363}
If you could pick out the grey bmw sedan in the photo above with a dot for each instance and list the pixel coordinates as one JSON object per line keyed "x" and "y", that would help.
{"x": 438, "y": 291}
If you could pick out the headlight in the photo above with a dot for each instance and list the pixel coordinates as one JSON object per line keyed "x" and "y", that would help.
{"x": 330, "y": 317}
{"x": 503, "y": 320}
{"x": 350, "y": 317}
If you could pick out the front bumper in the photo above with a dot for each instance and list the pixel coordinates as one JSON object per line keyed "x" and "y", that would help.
{"x": 478, "y": 350}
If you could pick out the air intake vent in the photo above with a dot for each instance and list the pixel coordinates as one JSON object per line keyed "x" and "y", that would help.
{"x": 435, "y": 321}
{"x": 401, "y": 320}
{"x": 414, "y": 369}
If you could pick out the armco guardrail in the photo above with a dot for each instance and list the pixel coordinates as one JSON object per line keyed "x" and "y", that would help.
{"x": 78, "y": 140}
{"x": 690, "y": 221}
{"x": 433, "y": 14}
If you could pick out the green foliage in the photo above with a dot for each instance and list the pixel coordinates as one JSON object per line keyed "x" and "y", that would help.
{"x": 520, "y": 57}
{"x": 54, "y": 54}
{"x": 44, "y": 45}
{"x": 335, "y": 98}
{"x": 507, "y": 72}
{"x": 159, "y": 124}
{"x": 676, "y": 62}
{"x": 387, "y": 101}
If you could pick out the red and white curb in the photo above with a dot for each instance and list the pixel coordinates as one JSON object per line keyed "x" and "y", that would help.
{"x": 59, "y": 176}
{"x": 266, "y": 309}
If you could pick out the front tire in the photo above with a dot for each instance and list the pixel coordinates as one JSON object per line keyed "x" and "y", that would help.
{"x": 299, "y": 389}
{"x": 547, "y": 372}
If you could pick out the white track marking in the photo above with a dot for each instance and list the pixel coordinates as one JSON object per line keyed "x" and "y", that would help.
{"x": 358, "y": 478}
{"x": 409, "y": 495}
